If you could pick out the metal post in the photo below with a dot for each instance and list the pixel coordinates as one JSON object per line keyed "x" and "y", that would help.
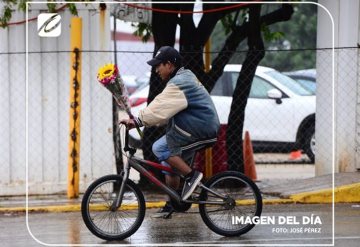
{"x": 75, "y": 107}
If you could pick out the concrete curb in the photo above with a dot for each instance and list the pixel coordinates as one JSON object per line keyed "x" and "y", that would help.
{"x": 77, "y": 207}
{"x": 343, "y": 194}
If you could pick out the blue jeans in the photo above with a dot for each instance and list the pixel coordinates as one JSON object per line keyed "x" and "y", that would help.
{"x": 161, "y": 150}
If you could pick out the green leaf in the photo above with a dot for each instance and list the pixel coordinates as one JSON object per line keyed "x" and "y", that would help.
{"x": 22, "y": 5}
{"x": 51, "y": 7}
{"x": 9, "y": 5}
{"x": 73, "y": 9}
{"x": 271, "y": 36}
{"x": 143, "y": 31}
{"x": 6, "y": 16}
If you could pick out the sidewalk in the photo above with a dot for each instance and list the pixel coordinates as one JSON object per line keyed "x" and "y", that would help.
{"x": 275, "y": 190}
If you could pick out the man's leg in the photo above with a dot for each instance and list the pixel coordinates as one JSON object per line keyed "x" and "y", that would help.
{"x": 161, "y": 151}
{"x": 179, "y": 164}
{"x": 192, "y": 177}
{"x": 172, "y": 181}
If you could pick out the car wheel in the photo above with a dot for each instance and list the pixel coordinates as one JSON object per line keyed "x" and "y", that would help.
{"x": 309, "y": 142}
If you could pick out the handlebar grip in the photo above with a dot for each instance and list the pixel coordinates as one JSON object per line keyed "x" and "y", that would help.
{"x": 137, "y": 126}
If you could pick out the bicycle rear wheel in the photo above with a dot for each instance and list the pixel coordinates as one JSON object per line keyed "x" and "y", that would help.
{"x": 242, "y": 199}
{"x": 112, "y": 224}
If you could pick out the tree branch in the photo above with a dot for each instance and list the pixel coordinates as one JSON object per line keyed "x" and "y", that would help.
{"x": 236, "y": 37}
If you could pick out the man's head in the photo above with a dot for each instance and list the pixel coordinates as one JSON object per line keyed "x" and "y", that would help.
{"x": 166, "y": 60}
{"x": 166, "y": 54}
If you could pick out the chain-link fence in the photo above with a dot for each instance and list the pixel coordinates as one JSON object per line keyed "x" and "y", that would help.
{"x": 280, "y": 114}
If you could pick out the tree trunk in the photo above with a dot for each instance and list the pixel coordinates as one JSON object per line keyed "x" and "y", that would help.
{"x": 242, "y": 90}
{"x": 164, "y": 29}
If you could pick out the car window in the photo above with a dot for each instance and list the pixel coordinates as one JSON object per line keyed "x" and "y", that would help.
{"x": 291, "y": 84}
{"x": 308, "y": 84}
{"x": 259, "y": 86}
{"x": 218, "y": 88}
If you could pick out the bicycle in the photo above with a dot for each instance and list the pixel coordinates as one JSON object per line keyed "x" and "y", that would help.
{"x": 113, "y": 206}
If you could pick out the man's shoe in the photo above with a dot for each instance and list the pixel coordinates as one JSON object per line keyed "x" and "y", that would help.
{"x": 164, "y": 212}
{"x": 190, "y": 184}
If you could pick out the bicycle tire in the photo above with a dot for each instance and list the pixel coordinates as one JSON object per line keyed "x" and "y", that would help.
{"x": 97, "y": 214}
{"x": 247, "y": 199}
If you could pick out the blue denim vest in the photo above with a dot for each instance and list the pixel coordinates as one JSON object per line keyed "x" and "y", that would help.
{"x": 197, "y": 123}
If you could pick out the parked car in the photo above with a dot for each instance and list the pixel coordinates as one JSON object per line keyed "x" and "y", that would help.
{"x": 306, "y": 77}
{"x": 280, "y": 113}
{"x": 133, "y": 83}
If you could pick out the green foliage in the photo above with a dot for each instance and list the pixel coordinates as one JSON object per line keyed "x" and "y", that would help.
{"x": 271, "y": 36}
{"x": 143, "y": 31}
{"x": 52, "y": 5}
{"x": 227, "y": 22}
{"x": 73, "y": 9}
{"x": 5, "y": 16}
{"x": 290, "y": 45}
{"x": 280, "y": 39}
{"x": 22, "y": 5}
{"x": 295, "y": 50}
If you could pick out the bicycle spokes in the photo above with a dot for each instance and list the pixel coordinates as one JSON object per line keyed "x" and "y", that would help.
{"x": 239, "y": 197}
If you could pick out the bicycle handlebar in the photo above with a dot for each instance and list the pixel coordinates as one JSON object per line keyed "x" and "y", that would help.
{"x": 136, "y": 125}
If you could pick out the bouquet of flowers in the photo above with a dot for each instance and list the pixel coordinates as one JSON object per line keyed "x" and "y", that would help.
{"x": 109, "y": 77}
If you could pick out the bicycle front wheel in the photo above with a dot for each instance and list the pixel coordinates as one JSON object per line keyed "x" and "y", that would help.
{"x": 241, "y": 199}
{"x": 105, "y": 222}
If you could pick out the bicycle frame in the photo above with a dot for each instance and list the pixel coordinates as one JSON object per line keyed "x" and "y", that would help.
{"x": 135, "y": 162}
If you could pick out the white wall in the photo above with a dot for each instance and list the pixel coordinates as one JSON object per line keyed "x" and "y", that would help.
{"x": 346, "y": 26}
{"x": 48, "y": 105}
{"x": 12, "y": 106}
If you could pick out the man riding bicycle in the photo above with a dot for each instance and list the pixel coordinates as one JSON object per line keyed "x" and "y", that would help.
{"x": 187, "y": 109}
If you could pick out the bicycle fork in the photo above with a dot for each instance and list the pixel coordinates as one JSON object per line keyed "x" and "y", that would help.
{"x": 118, "y": 200}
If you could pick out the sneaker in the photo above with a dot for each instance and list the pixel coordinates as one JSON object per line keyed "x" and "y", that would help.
{"x": 190, "y": 184}
{"x": 164, "y": 212}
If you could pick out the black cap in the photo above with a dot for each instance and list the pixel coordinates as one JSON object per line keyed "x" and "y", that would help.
{"x": 165, "y": 54}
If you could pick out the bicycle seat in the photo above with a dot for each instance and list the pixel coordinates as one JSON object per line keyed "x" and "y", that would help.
{"x": 190, "y": 150}
{"x": 201, "y": 144}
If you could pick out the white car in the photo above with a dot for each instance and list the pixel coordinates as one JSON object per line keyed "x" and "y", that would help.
{"x": 279, "y": 113}
{"x": 133, "y": 83}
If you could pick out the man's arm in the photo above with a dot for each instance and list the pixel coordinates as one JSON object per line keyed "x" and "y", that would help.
{"x": 171, "y": 101}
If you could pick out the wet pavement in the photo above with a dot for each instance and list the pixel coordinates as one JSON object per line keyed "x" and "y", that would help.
{"x": 188, "y": 229}
{"x": 63, "y": 228}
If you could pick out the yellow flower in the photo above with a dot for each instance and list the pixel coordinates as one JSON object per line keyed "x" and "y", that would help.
{"x": 106, "y": 71}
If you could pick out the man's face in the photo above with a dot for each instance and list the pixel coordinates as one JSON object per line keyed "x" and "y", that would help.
{"x": 164, "y": 70}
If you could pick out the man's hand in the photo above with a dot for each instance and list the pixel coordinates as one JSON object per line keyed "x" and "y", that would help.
{"x": 130, "y": 123}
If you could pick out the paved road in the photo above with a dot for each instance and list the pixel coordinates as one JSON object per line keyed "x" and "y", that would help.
{"x": 188, "y": 229}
